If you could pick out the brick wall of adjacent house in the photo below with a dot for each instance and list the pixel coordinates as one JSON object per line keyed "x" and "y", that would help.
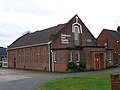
{"x": 38, "y": 61}
{"x": 112, "y": 44}
{"x": 115, "y": 82}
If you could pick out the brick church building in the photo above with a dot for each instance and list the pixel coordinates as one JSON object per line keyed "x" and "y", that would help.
{"x": 51, "y": 49}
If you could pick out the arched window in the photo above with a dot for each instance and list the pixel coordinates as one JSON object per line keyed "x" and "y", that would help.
{"x": 76, "y": 36}
{"x": 76, "y": 29}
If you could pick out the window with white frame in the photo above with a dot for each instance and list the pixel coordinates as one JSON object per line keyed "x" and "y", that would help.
{"x": 54, "y": 56}
{"x": 78, "y": 57}
{"x": 76, "y": 29}
{"x": 76, "y": 35}
{"x": 70, "y": 57}
{"x": 106, "y": 45}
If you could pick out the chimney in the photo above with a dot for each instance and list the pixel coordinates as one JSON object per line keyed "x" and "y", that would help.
{"x": 118, "y": 28}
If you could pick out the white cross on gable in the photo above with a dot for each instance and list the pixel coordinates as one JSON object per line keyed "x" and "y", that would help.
{"x": 76, "y": 19}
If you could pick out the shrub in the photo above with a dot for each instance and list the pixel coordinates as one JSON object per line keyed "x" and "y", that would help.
{"x": 112, "y": 66}
{"x": 71, "y": 65}
{"x": 82, "y": 64}
{"x": 118, "y": 65}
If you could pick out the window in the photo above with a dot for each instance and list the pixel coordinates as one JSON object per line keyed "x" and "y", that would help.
{"x": 76, "y": 29}
{"x": 22, "y": 55}
{"x": 106, "y": 45}
{"x": 109, "y": 56}
{"x": 89, "y": 40}
{"x": 76, "y": 35}
{"x": 54, "y": 56}
{"x": 18, "y": 55}
{"x": 41, "y": 54}
{"x": 70, "y": 57}
{"x": 78, "y": 57}
{"x": 26, "y": 55}
{"x": 35, "y": 55}
{"x": 31, "y": 57}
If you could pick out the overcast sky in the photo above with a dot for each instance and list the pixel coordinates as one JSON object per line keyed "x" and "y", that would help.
{"x": 18, "y": 16}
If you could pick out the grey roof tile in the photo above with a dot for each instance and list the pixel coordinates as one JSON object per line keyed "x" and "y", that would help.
{"x": 37, "y": 37}
{"x": 115, "y": 34}
{"x": 3, "y": 51}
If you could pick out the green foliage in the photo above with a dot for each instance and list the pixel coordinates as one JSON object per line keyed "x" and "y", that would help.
{"x": 71, "y": 65}
{"x": 82, "y": 64}
{"x": 118, "y": 65}
{"x": 112, "y": 66}
{"x": 109, "y": 65}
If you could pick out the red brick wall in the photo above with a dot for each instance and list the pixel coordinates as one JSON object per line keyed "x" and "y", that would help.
{"x": 36, "y": 62}
{"x": 11, "y": 55}
{"x": 89, "y": 56}
{"x": 62, "y": 59}
{"x": 115, "y": 82}
{"x": 56, "y": 39}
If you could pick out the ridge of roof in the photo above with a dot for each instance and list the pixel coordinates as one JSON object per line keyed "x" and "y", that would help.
{"x": 114, "y": 34}
{"x": 110, "y": 30}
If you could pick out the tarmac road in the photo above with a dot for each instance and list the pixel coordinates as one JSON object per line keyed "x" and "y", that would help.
{"x": 14, "y": 79}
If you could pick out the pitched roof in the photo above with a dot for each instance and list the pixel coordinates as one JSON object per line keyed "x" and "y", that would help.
{"x": 3, "y": 51}
{"x": 37, "y": 37}
{"x": 115, "y": 34}
{"x": 43, "y": 36}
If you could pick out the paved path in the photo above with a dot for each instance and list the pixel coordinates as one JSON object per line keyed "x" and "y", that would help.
{"x": 11, "y": 79}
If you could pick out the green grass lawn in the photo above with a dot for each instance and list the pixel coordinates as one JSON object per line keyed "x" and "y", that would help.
{"x": 88, "y": 82}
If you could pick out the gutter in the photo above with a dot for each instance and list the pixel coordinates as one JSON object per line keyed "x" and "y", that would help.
{"x": 26, "y": 46}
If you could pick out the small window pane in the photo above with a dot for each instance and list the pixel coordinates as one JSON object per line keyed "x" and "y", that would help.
{"x": 77, "y": 57}
{"x": 109, "y": 56}
{"x": 70, "y": 57}
{"x": 76, "y": 35}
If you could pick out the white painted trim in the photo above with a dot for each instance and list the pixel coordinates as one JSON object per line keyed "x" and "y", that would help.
{"x": 49, "y": 51}
{"x": 52, "y": 61}
{"x": 28, "y": 46}
{"x": 78, "y": 57}
{"x": 76, "y": 19}
{"x": 6, "y": 62}
{"x": 80, "y": 30}
{"x": 71, "y": 57}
